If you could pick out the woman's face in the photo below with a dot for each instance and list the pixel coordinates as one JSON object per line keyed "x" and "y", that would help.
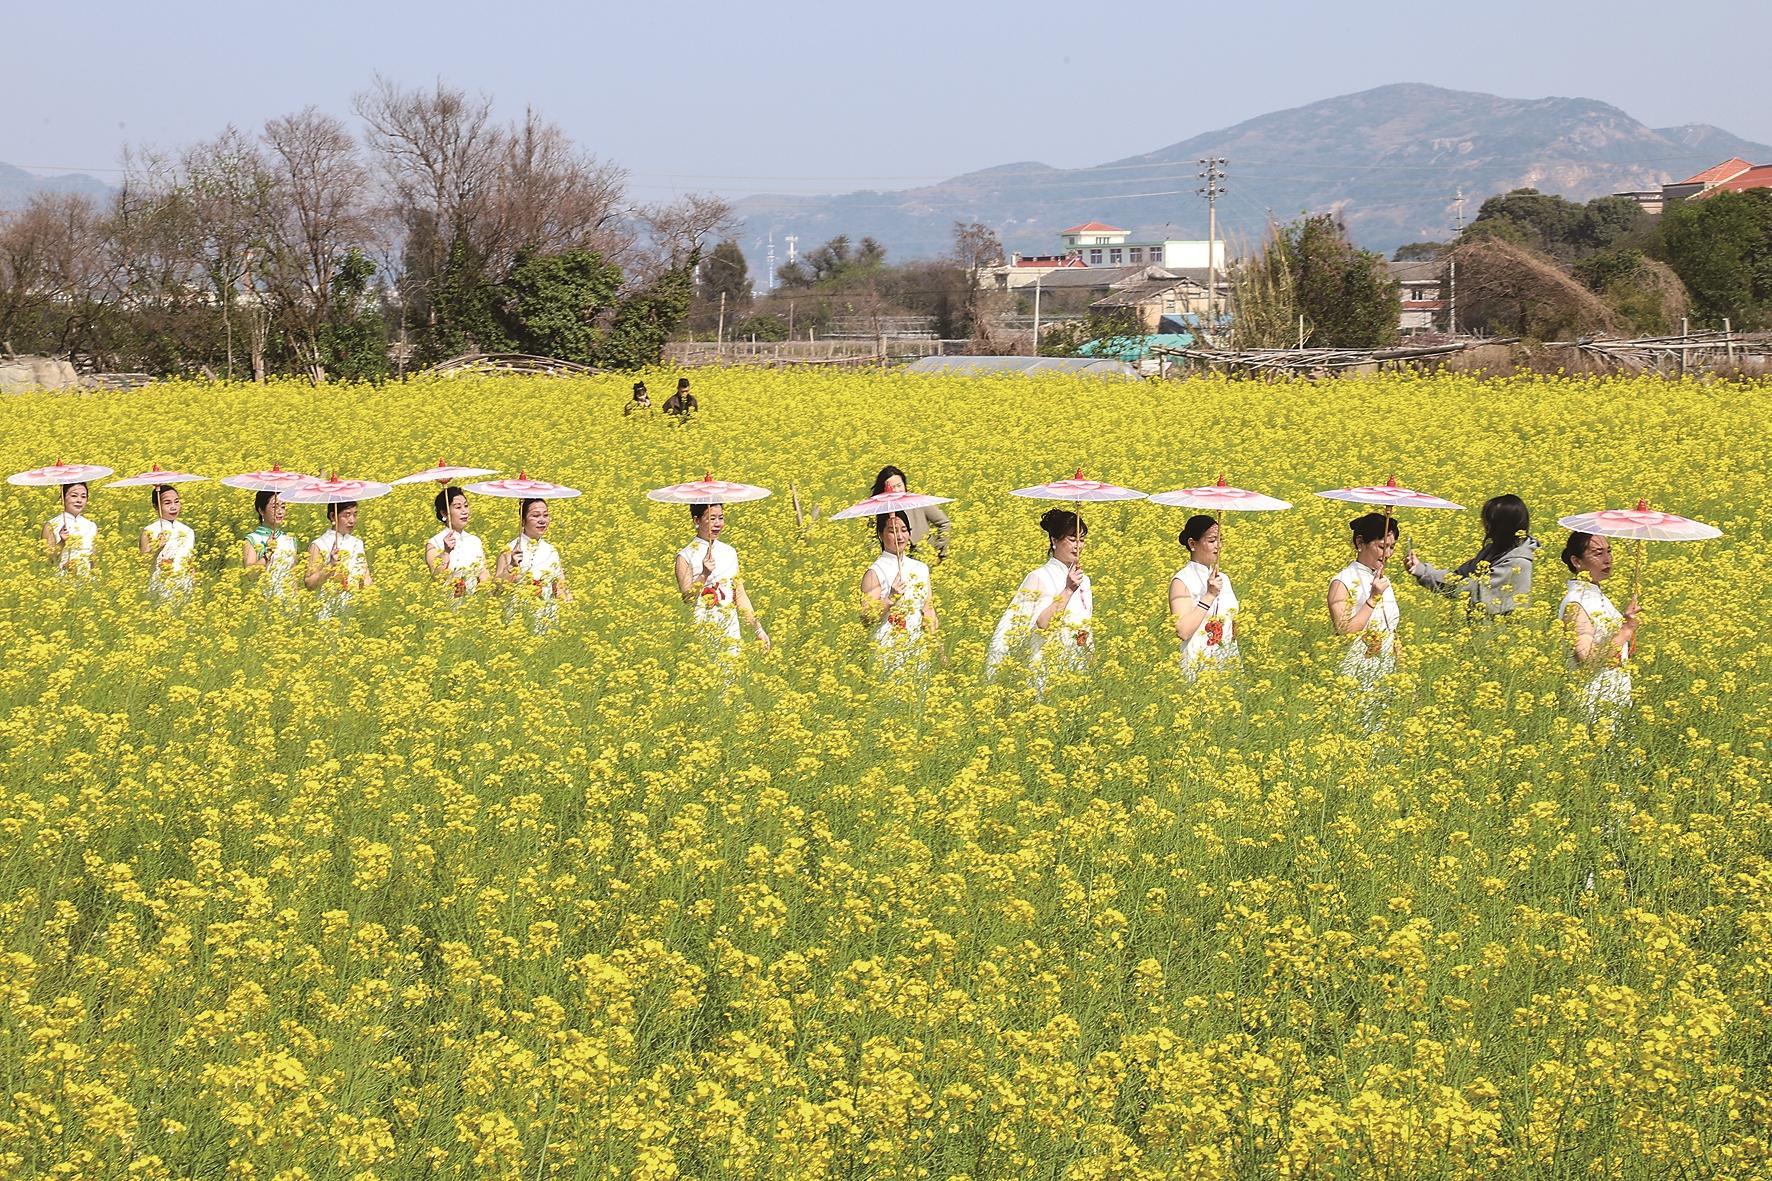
{"x": 345, "y": 520}
{"x": 895, "y": 538}
{"x": 535, "y": 520}
{"x": 1374, "y": 554}
{"x": 712, "y": 523}
{"x": 458, "y": 513}
{"x": 1069, "y": 550}
{"x": 169, "y": 505}
{"x": 1596, "y": 563}
{"x": 74, "y": 499}
{"x": 1206, "y": 548}
{"x": 276, "y": 512}
{"x": 895, "y": 483}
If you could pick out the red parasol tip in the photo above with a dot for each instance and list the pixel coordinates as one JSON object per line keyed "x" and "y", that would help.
{"x": 707, "y": 477}
{"x": 1642, "y": 506}
{"x": 276, "y": 467}
{"x": 1391, "y": 483}
{"x": 1079, "y": 474}
{"x": 158, "y": 468}
{"x": 1221, "y": 482}
{"x": 440, "y": 462}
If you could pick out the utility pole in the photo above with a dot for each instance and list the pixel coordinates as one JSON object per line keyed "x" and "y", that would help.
{"x": 790, "y": 239}
{"x": 771, "y": 260}
{"x": 1213, "y": 173}
{"x": 1452, "y": 263}
{"x": 720, "y": 332}
{"x": 1037, "y": 315}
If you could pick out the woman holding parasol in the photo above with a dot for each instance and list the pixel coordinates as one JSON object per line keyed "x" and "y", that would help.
{"x": 1602, "y": 639}
{"x": 1202, "y": 605}
{"x": 338, "y": 561}
{"x": 529, "y": 565}
{"x": 70, "y": 540}
{"x": 708, "y": 577}
{"x": 268, "y": 552}
{"x": 897, "y": 594}
{"x": 168, "y": 544}
{"x": 452, "y": 554}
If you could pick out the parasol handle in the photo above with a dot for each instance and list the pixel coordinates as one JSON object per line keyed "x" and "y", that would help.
{"x": 1636, "y": 570}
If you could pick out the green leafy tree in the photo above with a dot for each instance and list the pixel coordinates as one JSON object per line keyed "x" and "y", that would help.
{"x": 724, "y": 272}
{"x": 1109, "y": 333}
{"x": 1419, "y": 252}
{"x": 645, "y": 319}
{"x": 1564, "y": 230}
{"x": 1721, "y": 248}
{"x": 1347, "y": 296}
{"x": 551, "y": 302}
{"x": 354, "y": 338}
{"x": 762, "y": 326}
{"x": 464, "y": 310}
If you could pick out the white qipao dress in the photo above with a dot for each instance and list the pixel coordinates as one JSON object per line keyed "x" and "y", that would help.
{"x": 1214, "y": 642}
{"x": 172, "y": 543}
{"x": 715, "y": 614}
{"x": 1608, "y": 687}
{"x": 1372, "y": 654}
{"x": 898, "y": 637}
{"x": 77, "y": 550}
{"x": 467, "y": 562}
{"x": 348, "y": 577}
{"x": 1065, "y": 642}
{"x": 541, "y": 579}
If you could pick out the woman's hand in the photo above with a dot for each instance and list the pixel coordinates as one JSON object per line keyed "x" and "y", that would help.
{"x": 1632, "y": 615}
{"x": 899, "y": 586}
{"x": 1214, "y": 584}
{"x": 449, "y": 541}
{"x": 1380, "y": 584}
{"x": 1073, "y": 580}
{"x": 707, "y": 564}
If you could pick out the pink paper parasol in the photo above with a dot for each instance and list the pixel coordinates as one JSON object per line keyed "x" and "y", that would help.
{"x": 1389, "y": 494}
{"x": 1077, "y": 490}
{"x": 1640, "y": 524}
{"x": 708, "y": 490}
{"x": 273, "y": 479}
{"x": 59, "y": 473}
{"x": 889, "y": 502}
{"x": 336, "y": 491}
{"x": 1219, "y": 498}
{"x": 443, "y": 473}
{"x": 523, "y": 488}
{"x": 155, "y": 476}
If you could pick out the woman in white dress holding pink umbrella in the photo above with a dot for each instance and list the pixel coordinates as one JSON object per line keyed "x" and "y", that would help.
{"x": 1050, "y": 622}
{"x": 709, "y": 581}
{"x": 898, "y": 598}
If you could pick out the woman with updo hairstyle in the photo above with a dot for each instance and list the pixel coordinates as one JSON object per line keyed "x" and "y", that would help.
{"x": 709, "y": 581}
{"x": 168, "y": 544}
{"x": 1602, "y": 638}
{"x": 531, "y": 567}
{"x": 898, "y": 599}
{"x": 1051, "y": 619}
{"x": 69, "y": 538}
{"x": 1362, "y": 605}
{"x": 453, "y": 555}
{"x": 268, "y": 553}
{"x": 1499, "y": 577}
{"x": 1202, "y": 605}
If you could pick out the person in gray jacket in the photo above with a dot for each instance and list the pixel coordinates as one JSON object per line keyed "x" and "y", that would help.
{"x": 1499, "y": 578}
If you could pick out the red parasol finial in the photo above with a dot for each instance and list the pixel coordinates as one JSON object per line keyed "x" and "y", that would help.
{"x": 276, "y": 467}
{"x": 1221, "y": 482}
{"x": 1079, "y": 474}
{"x": 440, "y": 462}
{"x": 521, "y": 474}
{"x": 707, "y": 477}
{"x": 1642, "y": 506}
{"x": 1391, "y": 483}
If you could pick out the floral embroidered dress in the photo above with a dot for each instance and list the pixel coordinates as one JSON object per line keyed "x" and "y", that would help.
{"x": 1372, "y": 655}
{"x": 715, "y": 614}
{"x": 171, "y": 545}
{"x": 1065, "y": 642}
{"x": 1608, "y": 687}
{"x": 276, "y": 549}
{"x": 348, "y": 577}
{"x": 541, "y": 579}
{"x": 1215, "y": 640}
{"x": 898, "y": 636}
{"x": 77, "y": 550}
{"x": 467, "y": 562}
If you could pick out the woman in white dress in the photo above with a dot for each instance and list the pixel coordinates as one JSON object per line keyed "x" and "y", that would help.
{"x": 531, "y": 567}
{"x": 1362, "y": 605}
{"x": 709, "y": 581}
{"x": 455, "y": 557}
{"x": 1202, "y": 604}
{"x": 898, "y": 599}
{"x": 69, "y": 538}
{"x": 1050, "y": 622}
{"x": 168, "y": 544}
{"x": 1602, "y": 638}
{"x": 268, "y": 552}
{"x": 338, "y": 561}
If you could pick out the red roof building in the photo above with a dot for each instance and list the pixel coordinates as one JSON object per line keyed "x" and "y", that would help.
{"x": 1716, "y": 174}
{"x": 1752, "y": 178}
{"x": 1093, "y": 227}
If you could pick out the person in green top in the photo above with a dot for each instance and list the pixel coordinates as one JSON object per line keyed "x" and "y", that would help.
{"x": 268, "y": 552}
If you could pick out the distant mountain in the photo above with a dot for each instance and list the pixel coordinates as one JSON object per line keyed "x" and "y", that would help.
{"x": 1390, "y": 160}
{"x": 18, "y": 186}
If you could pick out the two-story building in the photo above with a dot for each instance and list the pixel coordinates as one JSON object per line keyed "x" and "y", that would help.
{"x": 1419, "y": 294}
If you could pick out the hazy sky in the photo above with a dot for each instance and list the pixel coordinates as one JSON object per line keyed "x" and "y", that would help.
{"x": 823, "y": 97}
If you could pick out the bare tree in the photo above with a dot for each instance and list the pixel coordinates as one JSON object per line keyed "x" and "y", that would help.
{"x": 318, "y": 186}
{"x": 550, "y": 197}
{"x": 680, "y": 229}
{"x": 229, "y": 191}
{"x": 52, "y": 271}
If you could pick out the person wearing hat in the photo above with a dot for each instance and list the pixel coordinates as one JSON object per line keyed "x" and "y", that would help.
{"x": 641, "y": 401}
{"x": 682, "y": 403}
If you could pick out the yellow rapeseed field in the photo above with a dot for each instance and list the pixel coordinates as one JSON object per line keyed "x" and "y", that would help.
{"x": 419, "y": 893}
